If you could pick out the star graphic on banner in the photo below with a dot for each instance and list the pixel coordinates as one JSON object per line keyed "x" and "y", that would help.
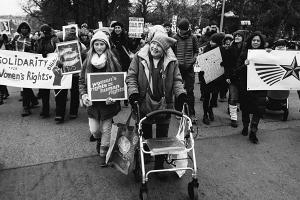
{"x": 292, "y": 70}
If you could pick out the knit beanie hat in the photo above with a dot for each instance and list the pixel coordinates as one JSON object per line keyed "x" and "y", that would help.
{"x": 184, "y": 24}
{"x": 117, "y": 24}
{"x": 45, "y": 28}
{"x": 217, "y": 38}
{"x": 239, "y": 32}
{"x": 163, "y": 40}
{"x": 155, "y": 29}
{"x": 99, "y": 35}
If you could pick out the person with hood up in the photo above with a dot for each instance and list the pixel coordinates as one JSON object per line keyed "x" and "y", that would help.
{"x": 186, "y": 50}
{"x": 44, "y": 45}
{"x": 153, "y": 78}
{"x": 252, "y": 102}
{"x": 100, "y": 114}
{"x": 23, "y": 42}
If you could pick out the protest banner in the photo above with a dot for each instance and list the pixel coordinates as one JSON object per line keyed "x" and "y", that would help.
{"x": 28, "y": 70}
{"x": 104, "y": 85}
{"x": 5, "y": 26}
{"x": 209, "y": 62}
{"x": 70, "y": 57}
{"x": 276, "y": 70}
{"x": 71, "y": 28}
{"x": 136, "y": 27}
{"x": 174, "y": 23}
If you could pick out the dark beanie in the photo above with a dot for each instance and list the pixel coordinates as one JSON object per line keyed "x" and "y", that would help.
{"x": 46, "y": 28}
{"x": 117, "y": 24}
{"x": 217, "y": 38}
{"x": 184, "y": 24}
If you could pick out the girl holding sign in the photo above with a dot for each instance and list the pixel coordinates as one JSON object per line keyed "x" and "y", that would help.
{"x": 100, "y": 59}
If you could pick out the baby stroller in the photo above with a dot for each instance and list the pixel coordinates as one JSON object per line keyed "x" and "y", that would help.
{"x": 163, "y": 146}
{"x": 277, "y": 100}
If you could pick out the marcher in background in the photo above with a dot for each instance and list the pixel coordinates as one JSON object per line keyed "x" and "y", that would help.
{"x": 224, "y": 85}
{"x": 44, "y": 45}
{"x": 120, "y": 40}
{"x": 61, "y": 95}
{"x": 210, "y": 90}
{"x": 100, "y": 114}
{"x": 154, "y": 76}
{"x": 252, "y": 102}
{"x": 168, "y": 28}
{"x": 23, "y": 42}
{"x": 3, "y": 46}
{"x": 233, "y": 79}
{"x": 186, "y": 51}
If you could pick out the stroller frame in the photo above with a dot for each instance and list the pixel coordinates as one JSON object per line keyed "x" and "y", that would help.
{"x": 187, "y": 145}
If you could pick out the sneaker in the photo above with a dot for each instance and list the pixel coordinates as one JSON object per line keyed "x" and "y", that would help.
{"x": 73, "y": 116}
{"x": 205, "y": 120}
{"x": 234, "y": 123}
{"x": 59, "y": 120}
{"x": 26, "y": 112}
{"x": 194, "y": 119}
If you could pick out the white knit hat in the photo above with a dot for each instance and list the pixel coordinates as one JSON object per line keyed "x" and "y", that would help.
{"x": 99, "y": 35}
{"x": 163, "y": 40}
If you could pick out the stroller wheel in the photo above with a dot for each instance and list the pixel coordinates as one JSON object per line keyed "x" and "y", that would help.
{"x": 285, "y": 115}
{"x": 144, "y": 192}
{"x": 193, "y": 189}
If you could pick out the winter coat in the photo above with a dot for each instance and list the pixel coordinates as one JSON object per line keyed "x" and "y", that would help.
{"x": 46, "y": 45}
{"x": 186, "y": 50}
{"x": 23, "y": 42}
{"x": 138, "y": 78}
{"x": 100, "y": 107}
{"x": 250, "y": 101}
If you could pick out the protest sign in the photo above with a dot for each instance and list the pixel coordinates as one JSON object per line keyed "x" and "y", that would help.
{"x": 70, "y": 57}
{"x": 100, "y": 24}
{"x": 209, "y": 62}
{"x": 174, "y": 23}
{"x": 4, "y": 26}
{"x": 136, "y": 27}
{"x": 28, "y": 70}
{"x": 276, "y": 70}
{"x": 70, "y": 29}
{"x": 104, "y": 85}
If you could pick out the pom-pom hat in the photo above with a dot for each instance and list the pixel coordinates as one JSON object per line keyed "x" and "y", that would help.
{"x": 164, "y": 41}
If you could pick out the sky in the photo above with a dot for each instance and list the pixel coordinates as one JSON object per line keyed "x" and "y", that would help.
{"x": 12, "y": 7}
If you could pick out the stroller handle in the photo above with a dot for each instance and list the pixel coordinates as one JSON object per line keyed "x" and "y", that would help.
{"x": 166, "y": 111}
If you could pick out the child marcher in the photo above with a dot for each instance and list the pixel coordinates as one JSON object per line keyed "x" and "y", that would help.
{"x": 100, "y": 114}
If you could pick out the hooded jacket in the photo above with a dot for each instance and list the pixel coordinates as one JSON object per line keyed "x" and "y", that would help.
{"x": 138, "y": 77}
{"x": 23, "y": 42}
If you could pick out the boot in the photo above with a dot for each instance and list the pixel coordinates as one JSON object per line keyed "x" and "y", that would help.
{"x": 253, "y": 127}
{"x": 205, "y": 119}
{"x": 26, "y": 112}
{"x": 102, "y": 152}
{"x": 233, "y": 115}
{"x": 245, "y": 129}
{"x": 253, "y": 138}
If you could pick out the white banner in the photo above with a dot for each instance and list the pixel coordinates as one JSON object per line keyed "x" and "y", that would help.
{"x": 136, "y": 27}
{"x": 277, "y": 70}
{"x": 209, "y": 62}
{"x": 28, "y": 70}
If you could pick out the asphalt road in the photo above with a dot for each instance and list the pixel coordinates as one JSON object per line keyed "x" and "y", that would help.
{"x": 41, "y": 160}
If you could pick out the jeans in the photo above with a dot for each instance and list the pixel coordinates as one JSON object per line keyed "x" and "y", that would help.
{"x": 233, "y": 94}
{"x": 45, "y": 94}
{"x": 101, "y": 130}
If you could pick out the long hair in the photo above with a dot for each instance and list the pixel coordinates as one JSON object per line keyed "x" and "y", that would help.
{"x": 112, "y": 64}
{"x": 249, "y": 40}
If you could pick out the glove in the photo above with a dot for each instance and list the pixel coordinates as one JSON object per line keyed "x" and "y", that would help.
{"x": 135, "y": 97}
{"x": 182, "y": 98}
{"x": 86, "y": 101}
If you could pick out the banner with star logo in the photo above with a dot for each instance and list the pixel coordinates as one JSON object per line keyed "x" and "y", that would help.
{"x": 275, "y": 70}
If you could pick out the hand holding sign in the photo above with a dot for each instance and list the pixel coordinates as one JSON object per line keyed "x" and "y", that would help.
{"x": 85, "y": 100}
{"x": 58, "y": 76}
{"x": 109, "y": 101}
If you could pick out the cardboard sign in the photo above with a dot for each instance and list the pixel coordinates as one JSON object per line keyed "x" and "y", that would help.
{"x": 69, "y": 55}
{"x": 28, "y": 70}
{"x": 107, "y": 84}
{"x": 71, "y": 28}
{"x": 136, "y": 27}
{"x": 4, "y": 27}
{"x": 276, "y": 70}
{"x": 209, "y": 62}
